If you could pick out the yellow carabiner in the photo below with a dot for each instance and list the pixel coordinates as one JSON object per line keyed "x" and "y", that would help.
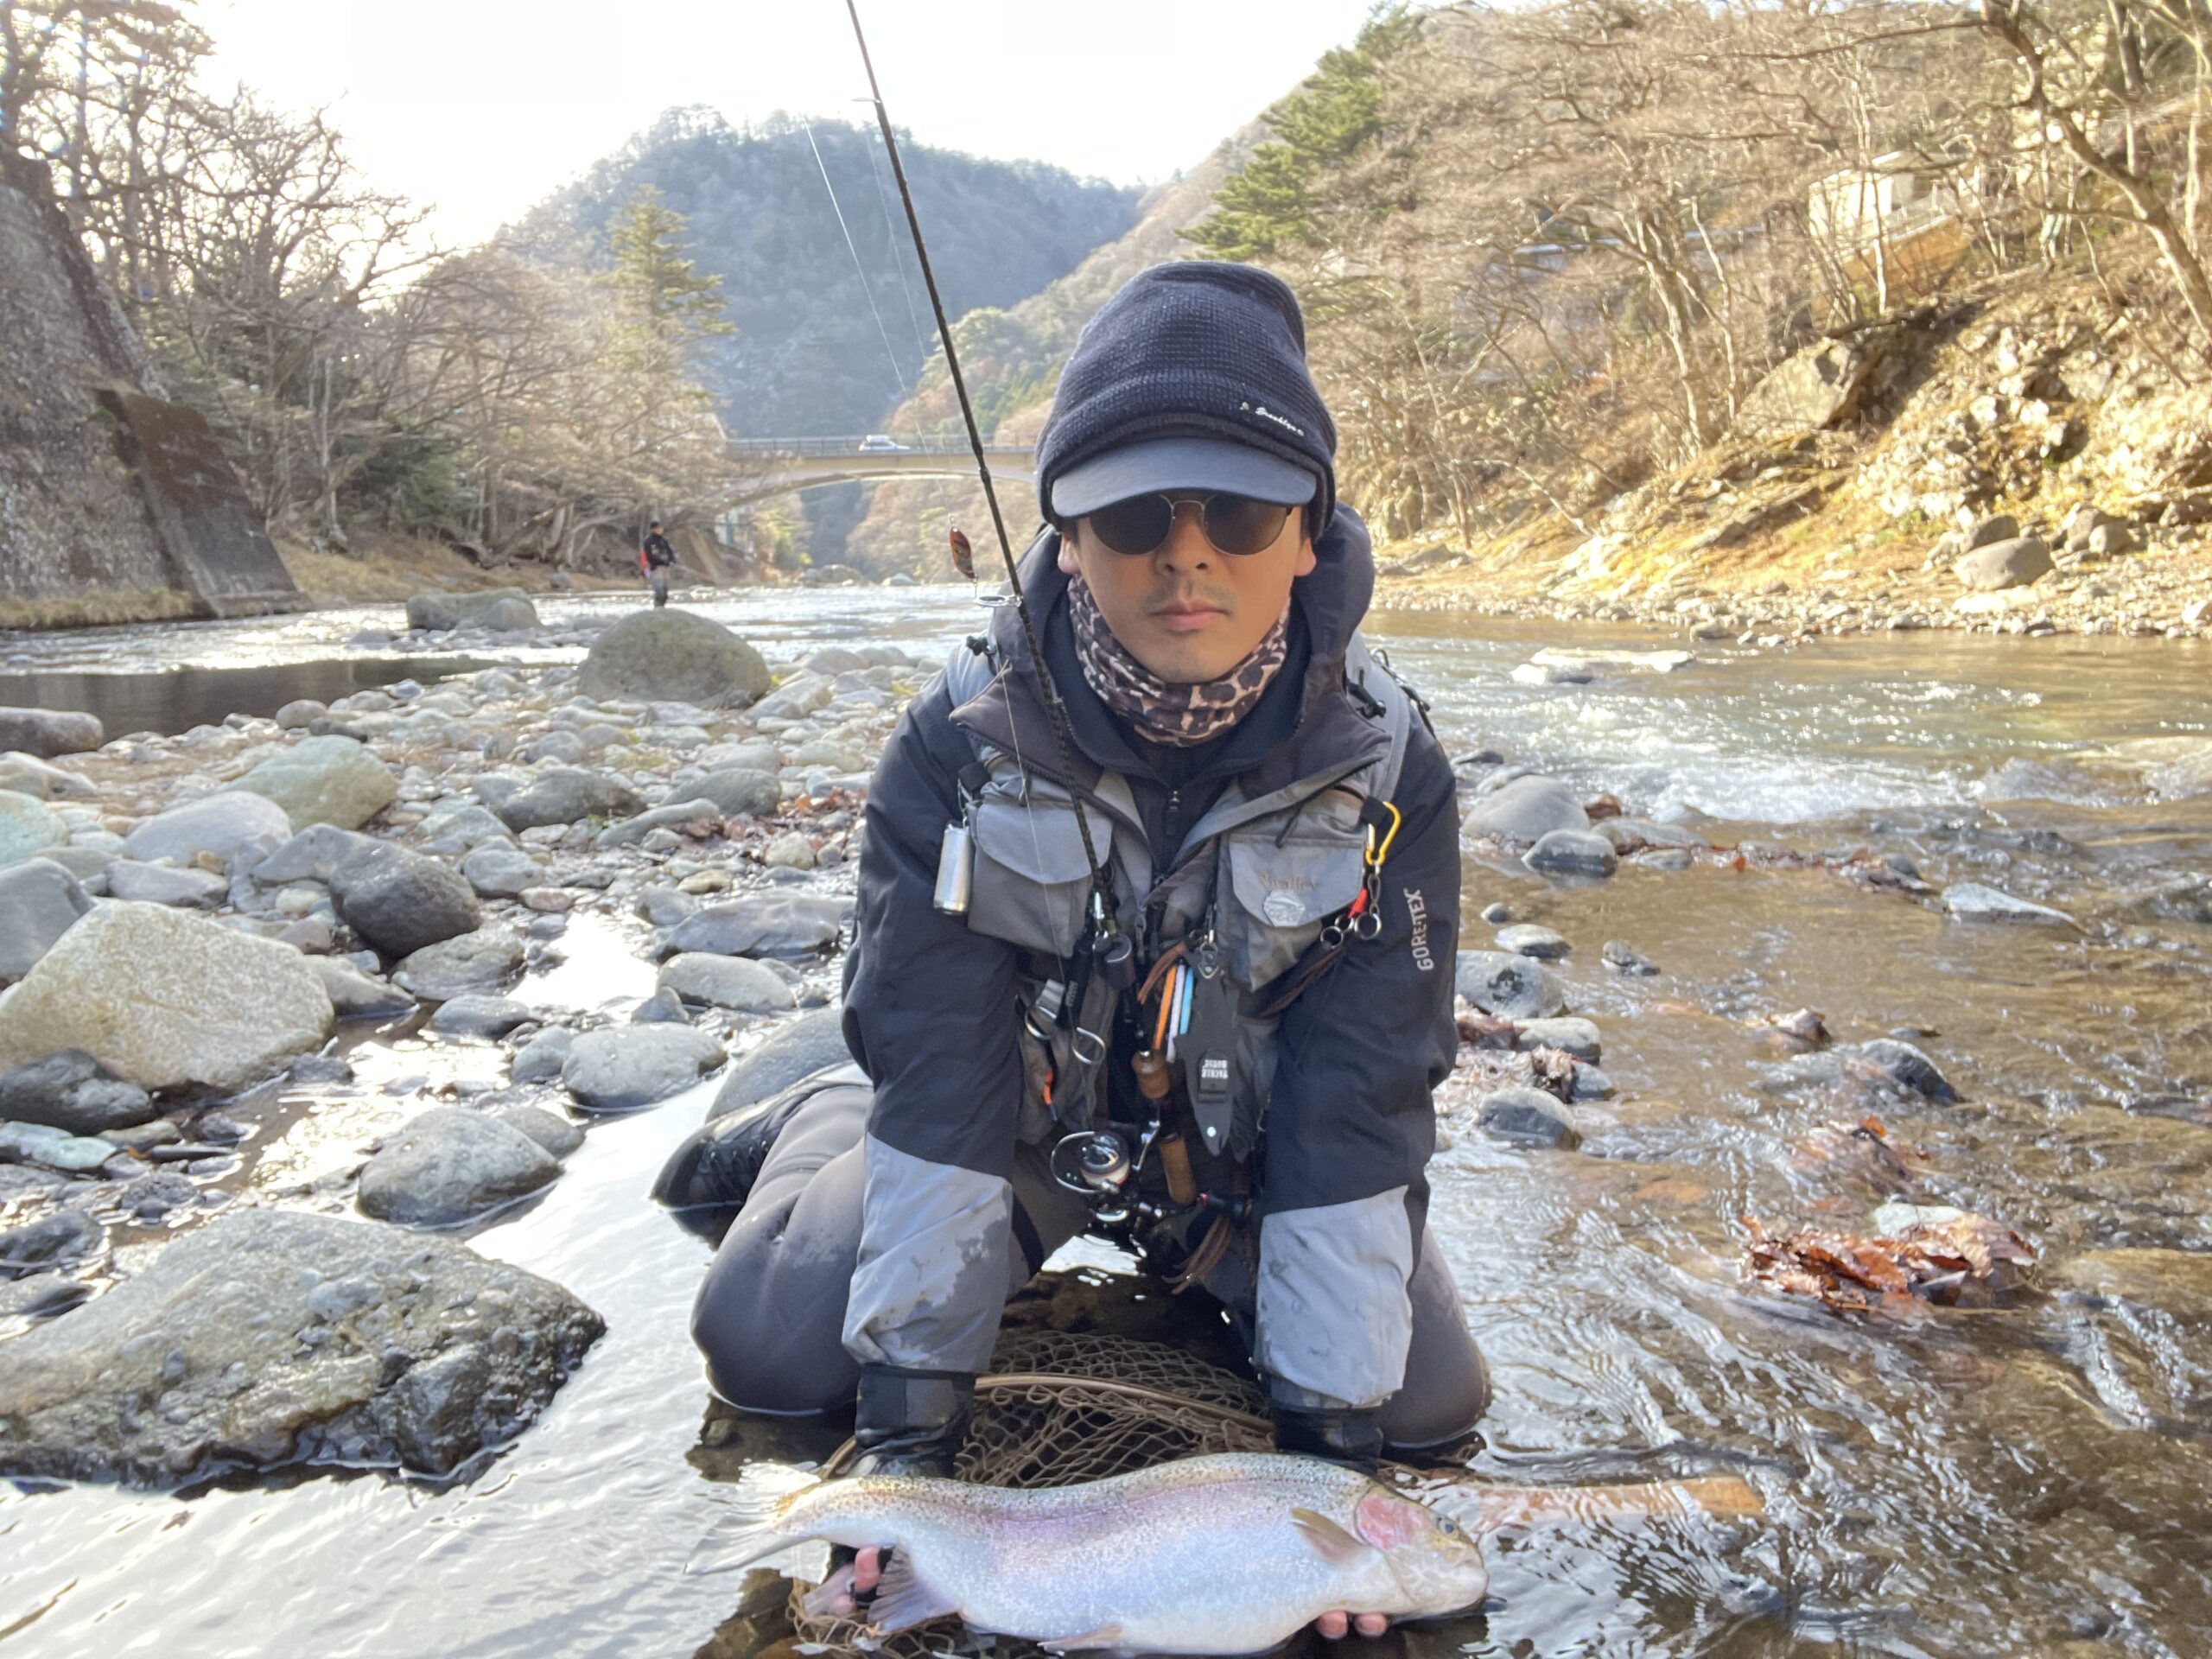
{"x": 1376, "y": 854}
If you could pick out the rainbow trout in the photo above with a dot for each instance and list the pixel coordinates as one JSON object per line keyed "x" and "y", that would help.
{"x": 1223, "y": 1555}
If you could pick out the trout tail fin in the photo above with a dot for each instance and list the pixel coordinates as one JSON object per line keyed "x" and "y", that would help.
{"x": 750, "y": 1530}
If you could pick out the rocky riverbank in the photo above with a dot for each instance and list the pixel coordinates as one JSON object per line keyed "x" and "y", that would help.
{"x": 301, "y": 1001}
{"x": 217, "y": 939}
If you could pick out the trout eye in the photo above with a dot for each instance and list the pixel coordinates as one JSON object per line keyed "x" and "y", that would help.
{"x": 1450, "y": 1528}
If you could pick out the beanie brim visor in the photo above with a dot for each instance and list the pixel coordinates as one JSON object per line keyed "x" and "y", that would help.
{"x": 1186, "y": 463}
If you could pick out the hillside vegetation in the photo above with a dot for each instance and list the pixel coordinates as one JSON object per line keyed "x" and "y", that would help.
{"x": 1577, "y": 271}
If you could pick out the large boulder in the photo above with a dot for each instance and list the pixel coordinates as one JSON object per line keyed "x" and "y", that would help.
{"x": 2013, "y": 563}
{"x": 275, "y": 1336}
{"x": 224, "y": 825}
{"x": 49, "y": 732}
{"x": 1526, "y": 810}
{"x": 400, "y": 901}
{"x": 672, "y": 657}
{"x": 761, "y": 924}
{"x": 167, "y": 999}
{"x": 451, "y": 1165}
{"x": 27, "y": 827}
{"x": 39, "y": 902}
{"x": 503, "y": 610}
{"x": 325, "y": 780}
{"x": 625, "y": 1067}
{"x": 1820, "y": 385}
{"x": 813, "y": 1042}
{"x": 566, "y": 795}
{"x": 736, "y": 792}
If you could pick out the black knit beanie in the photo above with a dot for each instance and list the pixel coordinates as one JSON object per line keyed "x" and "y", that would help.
{"x": 1197, "y": 347}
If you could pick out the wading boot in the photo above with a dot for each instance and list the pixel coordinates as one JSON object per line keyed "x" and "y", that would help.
{"x": 707, "y": 1179}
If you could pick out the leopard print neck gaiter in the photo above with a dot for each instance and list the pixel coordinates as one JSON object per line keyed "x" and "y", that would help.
{"x": 1180, "y": 716}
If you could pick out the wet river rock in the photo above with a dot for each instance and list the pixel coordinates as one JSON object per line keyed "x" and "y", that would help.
{"x": 502, "y": 610}
{"x": 1527, "y": 1117}
{"x": 725, "y": 983}
{"x": 71, "y": 1090}
{"x": 167, "y": 999}
{"x": 400, "y": 902}
{"x": 451, "y": 1165}
{"x": 623, "y": 1068}
{"x": 483, "y": 961}
{"x": 811, "y": 1043}
{"x": 761, "y": 924}
{"x": 1510, "y": 986}
{"x": 672, "y": 656}
{"x": 268, "y": 1337}
{"x": 736, "y": 792}
{"x": 1525, "y": 810}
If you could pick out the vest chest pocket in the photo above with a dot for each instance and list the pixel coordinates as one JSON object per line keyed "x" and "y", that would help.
{"x": 1278, "y": 898}
{"x": 1031, "y": 883}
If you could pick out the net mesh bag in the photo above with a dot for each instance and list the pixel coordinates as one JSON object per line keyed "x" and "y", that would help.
{"x": 1059, "y": 1407}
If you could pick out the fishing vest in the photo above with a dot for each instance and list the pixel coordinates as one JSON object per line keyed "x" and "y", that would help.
{"x": 1261, "y": 876}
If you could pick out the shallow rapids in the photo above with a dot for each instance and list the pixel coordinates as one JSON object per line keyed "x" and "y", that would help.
{"x": 2032, "y": 1479}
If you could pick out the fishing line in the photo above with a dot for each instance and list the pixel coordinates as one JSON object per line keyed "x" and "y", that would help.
{"x": 861, "y": 270}
{"x": 891, "y": 237}
{"x": 1102, "y": 893}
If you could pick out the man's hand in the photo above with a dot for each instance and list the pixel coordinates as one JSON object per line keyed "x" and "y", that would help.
{"x": 868, "y": 1572}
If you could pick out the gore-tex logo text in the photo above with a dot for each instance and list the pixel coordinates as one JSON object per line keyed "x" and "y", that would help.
{"x": 1417, "y": 907}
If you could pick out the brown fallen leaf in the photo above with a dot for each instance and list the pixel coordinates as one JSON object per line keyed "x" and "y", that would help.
{"x": 1966, "y": 1261}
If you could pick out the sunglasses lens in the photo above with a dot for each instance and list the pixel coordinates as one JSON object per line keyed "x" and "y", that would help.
{"x": 1237, "y": 524}
{"x": 1136, "y": 525}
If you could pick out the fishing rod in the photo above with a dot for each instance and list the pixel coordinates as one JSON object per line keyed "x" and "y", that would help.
{"x": 1104, "y": 931}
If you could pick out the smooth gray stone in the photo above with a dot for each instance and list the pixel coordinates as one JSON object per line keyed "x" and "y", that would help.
{"x": 761, "y": 924}
{"x": 158, "y": 884}
{"x": 501, "y": 872}
{"x": 355, "y": 996}
{"x": 1528, "y": 939}
{"x": 1525, "y": 810}
{"x": 26, "y": 774}
{"x": 672, "y": 656}
{"x": 469, "y": 823}
{"x": 566, "y": 794}
{"x": 450, "y": 1165}
{"x": 1512, "y": 986}
{"x": 1527, "y": 1117}
{"x": 1629, "y": 962}
{"x": 400, "y": 901}
{"x": 47, "y": 733}
{"x": 1572, "y": 852}
{"x": 540, "y": 1059}
{"x": 224, "y": 825}
{"x": 314, "y": 854}
{"x": 625, "y": 1067}
{"x": 71, "y": 1091}
{"x": 664, "y": 1008}
{"x": 479, "y": 1016}
{"x": 40, "y": 900}
{"x": 59, "y": 1238}
{"x": 813, "y": 1042}
{"x": 737, "y": 791}
{"x": 549, "y": 1129}
{"x": 1970, "y": 901}
{"x": 725, "y": 983}
{"x": 325, "y": 780}
{"x": 483, "y": 961}
{"x": 693, "y": 813}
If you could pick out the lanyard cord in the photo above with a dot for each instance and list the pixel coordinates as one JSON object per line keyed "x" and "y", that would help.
{"x": 1101, "y": 891}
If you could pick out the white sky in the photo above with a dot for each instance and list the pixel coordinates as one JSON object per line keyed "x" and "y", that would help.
{"x": 482, "y": 106}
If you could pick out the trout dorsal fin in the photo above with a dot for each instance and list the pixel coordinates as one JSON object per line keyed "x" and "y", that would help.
{"x": 1331, "y": 1542}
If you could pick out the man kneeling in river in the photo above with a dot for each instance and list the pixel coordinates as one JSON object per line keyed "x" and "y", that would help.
{"x": 1233, "y": 971}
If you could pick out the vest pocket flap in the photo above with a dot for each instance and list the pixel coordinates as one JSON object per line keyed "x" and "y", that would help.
{"x": 1040, "y": 844}
{"x": 1299, "y": 884}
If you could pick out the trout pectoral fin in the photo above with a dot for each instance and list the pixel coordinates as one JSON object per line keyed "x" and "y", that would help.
{"x": 1329, "y": 1540}
{"x": 902, "y": 1600}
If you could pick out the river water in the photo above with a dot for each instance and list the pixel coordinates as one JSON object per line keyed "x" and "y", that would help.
{"x": 2030, "y": 1479}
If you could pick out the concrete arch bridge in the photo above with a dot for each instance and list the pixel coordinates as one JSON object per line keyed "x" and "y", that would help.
{"x": 780, "y": 466}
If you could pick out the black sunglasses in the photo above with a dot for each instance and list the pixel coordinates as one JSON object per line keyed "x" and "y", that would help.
{"x": 1234, "y": 524}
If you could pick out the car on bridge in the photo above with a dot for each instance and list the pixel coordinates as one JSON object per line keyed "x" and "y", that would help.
{"x": 875, "y": 442}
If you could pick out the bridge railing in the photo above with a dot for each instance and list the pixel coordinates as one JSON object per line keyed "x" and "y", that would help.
{"x": 921, "y": 444}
